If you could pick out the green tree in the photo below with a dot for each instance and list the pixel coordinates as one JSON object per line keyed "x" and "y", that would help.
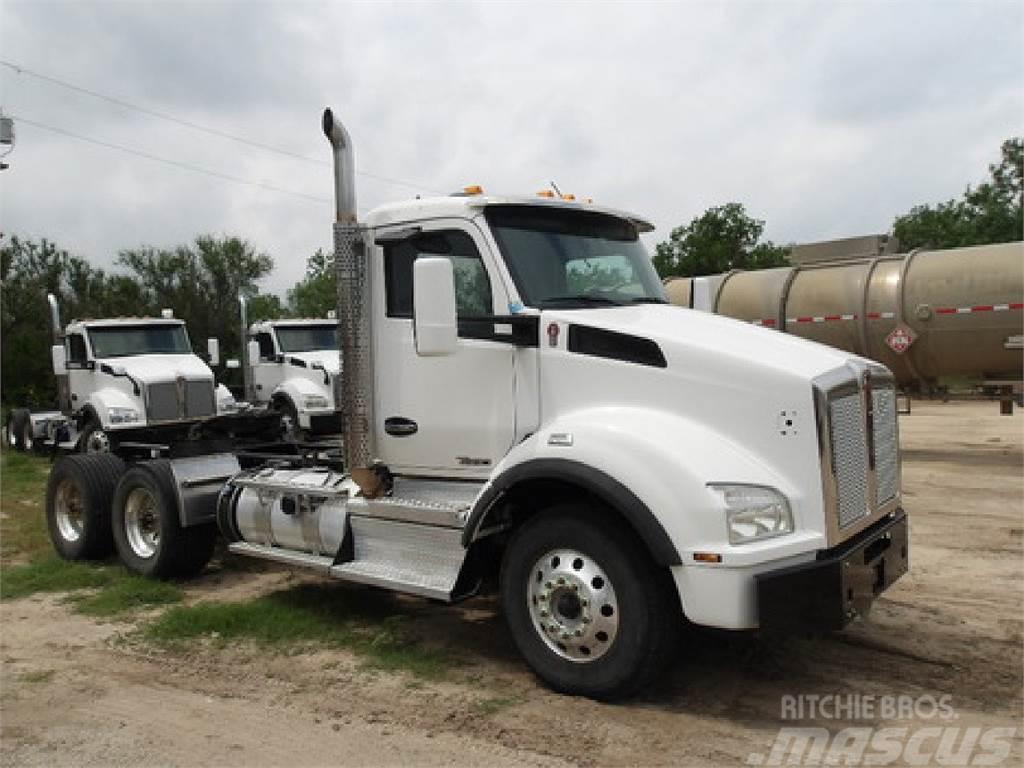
{"x": 989, "y": 213}
{"x": 318, "y": 291}
{"x": 720, "y": 239}
{"x": 266, "y": 306}
{"x": 201, "y": 282}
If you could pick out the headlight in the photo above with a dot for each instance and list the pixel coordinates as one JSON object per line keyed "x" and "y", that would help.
{"x": 315, "y": 401}
{"x": 753, "y": 512}
{"x": 123, "y": 415}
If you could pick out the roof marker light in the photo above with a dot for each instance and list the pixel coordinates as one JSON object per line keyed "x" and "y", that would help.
{"x": 473, "y": 189}
{"x": 569, "y": 196}
{"x": 546, "y": 193}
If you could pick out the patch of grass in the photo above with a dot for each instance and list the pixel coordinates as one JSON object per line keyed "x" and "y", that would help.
{"x": 329, "y": 615}
{"x": 128, "y": 593}
{"x": 40, "y": 676}
{"x": 495, "y": 704}
{"x": 22, "y": 512}
{"x": 52, "y": 574}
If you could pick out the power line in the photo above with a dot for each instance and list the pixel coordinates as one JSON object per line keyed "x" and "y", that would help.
{"x": 202, "y": 128}
{"x": 176, "y": 163}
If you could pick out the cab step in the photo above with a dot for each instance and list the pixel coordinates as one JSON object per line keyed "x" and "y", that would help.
{"x": 406, "y": 557}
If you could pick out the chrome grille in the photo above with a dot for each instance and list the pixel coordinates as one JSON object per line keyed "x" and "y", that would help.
{"x": 162, "y": 401}
{"x": 169, "y": 401}
{"x": 849, "y": 457}
{"x": 886, "y": 442}
{"x": 199, "y": 400}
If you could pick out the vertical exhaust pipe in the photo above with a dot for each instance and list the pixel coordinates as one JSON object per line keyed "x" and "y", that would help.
{"x": 247, "y": 385}
{"x": 57, "y": 332}
{"x": 354, "y": 329}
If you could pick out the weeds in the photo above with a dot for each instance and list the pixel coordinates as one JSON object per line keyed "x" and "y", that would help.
{"x": 126, "y": 594}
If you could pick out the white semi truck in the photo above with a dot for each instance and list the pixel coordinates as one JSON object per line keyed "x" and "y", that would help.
{"x": 520, "y": 402}
{"x": 291, "y": 366}
{"x": 121, "y": 380}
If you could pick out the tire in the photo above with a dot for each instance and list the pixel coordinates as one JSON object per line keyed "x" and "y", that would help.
{"x": 94, "y": 439}
{"x": 290, "y": 430}
{"x": 614, "y": 620}
{"x": 147, "y": 533}
{"x": 15, "y": 428}
{"x": 28, "y": 438}
{"x": 78, "y": 498}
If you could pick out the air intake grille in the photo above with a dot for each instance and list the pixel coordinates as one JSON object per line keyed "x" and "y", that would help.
{"x": 887, "y": 476}
{"x": 849, "y": 457}
{"x": 163, "y": 402}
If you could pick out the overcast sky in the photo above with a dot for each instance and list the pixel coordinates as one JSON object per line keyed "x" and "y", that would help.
{"x": 824, "y": 119}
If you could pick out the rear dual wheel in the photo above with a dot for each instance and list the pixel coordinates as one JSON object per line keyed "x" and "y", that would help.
{"x": 586, "y": 607}
{"x": 147, "y": 530}
{"x": 78, "y": 501}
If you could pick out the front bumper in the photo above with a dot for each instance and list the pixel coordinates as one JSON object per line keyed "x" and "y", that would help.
{"x": 839, "y": 585}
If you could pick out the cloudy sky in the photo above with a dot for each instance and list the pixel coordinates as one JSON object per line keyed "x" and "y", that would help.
{"x": 824, "y": 119}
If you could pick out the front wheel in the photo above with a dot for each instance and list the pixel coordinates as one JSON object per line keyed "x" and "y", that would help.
{"x": 586, "y": 608}
{"x": 147, "y": 533}
{"x": 94, "y": 439}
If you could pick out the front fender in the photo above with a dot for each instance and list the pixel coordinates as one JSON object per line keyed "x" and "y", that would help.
{"x": 102, "y": 400}
{"x": 665, "y": 461}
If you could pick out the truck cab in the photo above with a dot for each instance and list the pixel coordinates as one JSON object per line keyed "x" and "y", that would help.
{"x": 124, "y": 376}
{"x": 292, "y": 365}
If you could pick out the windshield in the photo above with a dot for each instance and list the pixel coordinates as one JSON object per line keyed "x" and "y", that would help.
{"x": 122, "y": 341}
{"x": 307, "y": 338}
{"x": 568, "y": 257}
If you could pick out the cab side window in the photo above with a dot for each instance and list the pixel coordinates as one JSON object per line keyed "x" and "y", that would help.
{"x": 266, "y": 346}
{"x": 472, "y": 286}
{"x": 76, "y": 349}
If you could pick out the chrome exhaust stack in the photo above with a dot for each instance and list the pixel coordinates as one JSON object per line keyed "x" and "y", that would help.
{"x": 354, "y": 328}
{"x": 247, "y": 385}
{"x": 55, "y": 327}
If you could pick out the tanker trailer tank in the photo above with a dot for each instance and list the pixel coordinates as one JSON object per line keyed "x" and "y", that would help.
{"x": 923, "y": 314}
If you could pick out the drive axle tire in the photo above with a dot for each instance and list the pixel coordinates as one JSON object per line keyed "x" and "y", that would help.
{"x": 585, "y": 605}
{"x": 15, "y": 428}
{"x": 78, "y": 497}
{"x": 147, "y": 532}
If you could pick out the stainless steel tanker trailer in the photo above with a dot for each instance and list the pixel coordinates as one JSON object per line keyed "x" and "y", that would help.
{"x": 923, "y": 314}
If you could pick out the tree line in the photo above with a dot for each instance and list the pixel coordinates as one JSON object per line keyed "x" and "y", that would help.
{"x": 201, "y": 281}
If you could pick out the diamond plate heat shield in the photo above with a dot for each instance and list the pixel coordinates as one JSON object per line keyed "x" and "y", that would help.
{"x": 356, "y": 343}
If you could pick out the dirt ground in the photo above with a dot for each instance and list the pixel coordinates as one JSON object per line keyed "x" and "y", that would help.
{"x": 76, "y": 692}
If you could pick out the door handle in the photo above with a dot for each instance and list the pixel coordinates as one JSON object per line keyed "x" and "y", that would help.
{"x": 399, "y": 426}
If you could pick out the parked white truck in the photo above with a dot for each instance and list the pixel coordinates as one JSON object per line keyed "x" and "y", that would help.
{"x": 291, "y": 366}
{"x": 519, "y": 401}
{"x": 121, "y": 380}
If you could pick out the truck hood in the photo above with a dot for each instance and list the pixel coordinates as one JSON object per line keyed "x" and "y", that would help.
{"x": 691, "y": 338}
{"x": 330, "y": 359}
{"x": 150, "y": 369}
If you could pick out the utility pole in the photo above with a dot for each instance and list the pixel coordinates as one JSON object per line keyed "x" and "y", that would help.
{"x": 6, "y": 138}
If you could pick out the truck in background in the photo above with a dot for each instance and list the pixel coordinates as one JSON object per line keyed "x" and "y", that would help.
{"x": 123, "y": 384}
{"x": 522, "y": 408}
{"x": 291, "y": 367}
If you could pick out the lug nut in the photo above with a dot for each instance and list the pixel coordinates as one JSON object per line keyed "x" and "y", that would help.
{"x": 561, "y": 581}
{"x": 578, "y": 633}
{"x": 585, "y": 619}
{"x": 543, "y": 614}
{"x": 584, "y": 602}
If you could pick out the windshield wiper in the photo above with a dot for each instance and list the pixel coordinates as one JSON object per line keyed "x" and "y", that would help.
{"x": 648, "y": 300}
{"x": 586, "y": 299}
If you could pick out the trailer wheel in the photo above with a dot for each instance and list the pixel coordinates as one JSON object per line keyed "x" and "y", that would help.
{"x": 584, "y": 604}
{"x": 14, "y": 429}
{"x": 94, "y": 438}
{"x": 147, "y": 533}
{"x": 78, "y": 495}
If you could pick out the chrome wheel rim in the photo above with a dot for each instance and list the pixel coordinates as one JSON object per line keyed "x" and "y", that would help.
{"x": 573, "y": 605}
{"x": 69, "y": 511}
{"x": 98, "y": 442}
{"x": 142, "y": 523}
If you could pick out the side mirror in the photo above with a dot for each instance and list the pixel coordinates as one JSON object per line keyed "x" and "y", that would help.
{"x": 213, "y": 351}
{"x": 232, "y": 363}
{"x": 57, "y": 357}
{"x": 253, "y": 353}
{"x": 433, "y": 300}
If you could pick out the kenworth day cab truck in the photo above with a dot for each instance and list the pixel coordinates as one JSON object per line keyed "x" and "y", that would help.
{"x": 120, "y": 380}
{"x": 291, "y": 366}
{"x": 520, "y": 402}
